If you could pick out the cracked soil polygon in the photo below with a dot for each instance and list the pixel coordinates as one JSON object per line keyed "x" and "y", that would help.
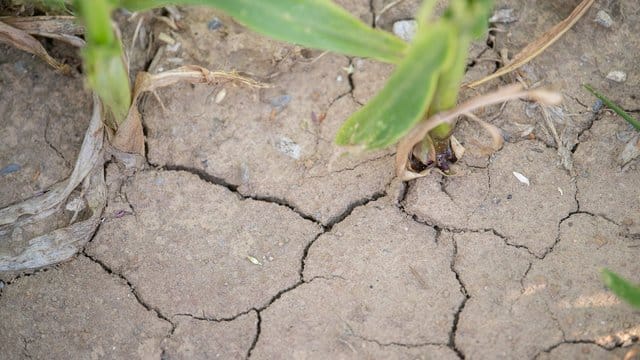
{"x": 568, "y": 280}
{"x": 191, "y": 247}
{"x": 497, "y": 320}
{"x": 494, "y": 198}
{"x": 377, "y": 277}
{"x": 76, "y": 311}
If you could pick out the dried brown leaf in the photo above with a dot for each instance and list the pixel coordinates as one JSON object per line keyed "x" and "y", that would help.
{"x": 496, "y": 134}
{"x": 539, "y": 45}
{"x": 406, "y": 144}
{"x": 63, "y": 28}
{"x": 89, "y": 157}
{"x": 25, "y": 42}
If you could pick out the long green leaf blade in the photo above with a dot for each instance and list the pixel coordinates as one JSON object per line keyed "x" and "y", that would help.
{"x": 621, "y": 287}
{"x": 613, "y": 106}
{"x": 317, "y": 24}
{"x": 402, "y": 102}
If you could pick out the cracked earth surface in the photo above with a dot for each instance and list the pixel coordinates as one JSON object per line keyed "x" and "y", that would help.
{"x": 248, "y": 235}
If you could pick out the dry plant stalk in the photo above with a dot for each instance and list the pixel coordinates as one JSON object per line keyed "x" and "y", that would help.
{"x": 415, "y": 136}
{"x": 63, "y": 28}
{"x": 539, "y": 45}
{"x": 25, "y": 42}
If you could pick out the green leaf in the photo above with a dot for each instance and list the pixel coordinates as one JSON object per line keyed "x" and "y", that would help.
{"x": 317, "y": 24}
{"x": 403, "y": 101}
{"x": 102, "y": 57}
{"x": 613, "y": 106}
{"x": 621, "y": 287}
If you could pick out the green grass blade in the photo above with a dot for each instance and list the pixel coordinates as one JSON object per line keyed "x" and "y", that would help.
{"x": 613, "y": 106}
{"x": 402, "y": 102}
{"x": 621, "y": 287}
{"x": 317, "y": 24}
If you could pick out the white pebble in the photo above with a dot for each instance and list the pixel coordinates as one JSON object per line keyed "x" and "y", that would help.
{"x": 405, "y": 29}
{"x": 617, "y": 76}
{"x": 289, "y": 147}
{"x": 604, "y": 19}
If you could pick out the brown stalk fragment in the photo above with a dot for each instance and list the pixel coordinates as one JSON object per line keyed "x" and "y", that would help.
{"x": 25, "y": 42}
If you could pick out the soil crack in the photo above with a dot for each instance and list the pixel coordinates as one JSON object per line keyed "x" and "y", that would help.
{"x": 456, "y": 316}
{"x": 254, "y": 342}
{"x": 55, "y": 149}
{"x": 211, "y": 179}
{"x": 214, "y": 319}
{"x": 554, "y": 346}
{"x": 135, "y": 293}
{"x": 400, "y": 344}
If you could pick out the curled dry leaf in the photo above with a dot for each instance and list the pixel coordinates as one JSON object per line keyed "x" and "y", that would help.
{"x": 63, "y": 28}
{"x": 90, "y": 156}
{"x": 130, "y": 138}
{"x": 58, "y": 244}
{"x": 25, "y": 42}
{"x": 457, "y": 148}
{"x": 415, "y": 136}
{"x": 494, "y": 132}
{"x": 539, "y": 45}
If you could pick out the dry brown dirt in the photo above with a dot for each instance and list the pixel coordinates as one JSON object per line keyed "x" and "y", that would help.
{"x": 248, "y": 235}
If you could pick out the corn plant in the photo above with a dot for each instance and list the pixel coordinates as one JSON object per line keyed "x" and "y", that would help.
{"x": 425, "y": 82}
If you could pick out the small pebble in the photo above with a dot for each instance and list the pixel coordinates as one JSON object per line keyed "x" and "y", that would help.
{"x": 503, "y": 16}
{"x": 405, "y": 29}
{"x": 11, "y": 168}
{"x": 604, "y": 19}
{"x": 617, "y": 76}
{"x": 20, "y": 67}
{"x": 597, "y": 106}
{"x": 289, "y": 148}
{"x": 214, "y": 24}
{"x": 281, "y": 102}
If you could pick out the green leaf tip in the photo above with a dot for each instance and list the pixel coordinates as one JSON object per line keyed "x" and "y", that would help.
{"x": 613, "y": 106}
{"x": 622, "y": 287}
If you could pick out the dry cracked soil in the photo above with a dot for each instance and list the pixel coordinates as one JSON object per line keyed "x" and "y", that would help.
{"x": 247, "y": 235}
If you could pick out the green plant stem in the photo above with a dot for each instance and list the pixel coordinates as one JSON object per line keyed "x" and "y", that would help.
{"x": 105, "y": 70}
{"x": 447, "y": 95}
{"x": 613, "y": 106}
